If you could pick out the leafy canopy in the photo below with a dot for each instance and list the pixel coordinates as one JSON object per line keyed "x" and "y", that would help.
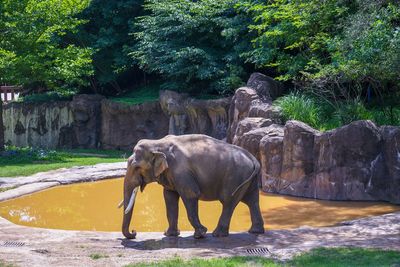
{"x": 33, "y": 49}
{"x": 194, "y": 45}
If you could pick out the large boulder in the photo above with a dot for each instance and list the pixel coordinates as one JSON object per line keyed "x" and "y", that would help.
{"x": 271, "y": 157}
{"x": 254, "y": 100}
{"x": 293, "y": 160}
{"x": 346, "y": 161}
{"x": 189, "y": 115}
{"x": 251, "y": 140}
{"x": 249, "y": 124}
{"x": 124, "y": 125}
{"x": 389, "y": 185}
{"x": 358, "y": 161}
{"x": 266, "y": 87}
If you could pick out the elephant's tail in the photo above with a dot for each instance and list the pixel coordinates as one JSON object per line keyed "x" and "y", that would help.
{"x": 255, "y": 173}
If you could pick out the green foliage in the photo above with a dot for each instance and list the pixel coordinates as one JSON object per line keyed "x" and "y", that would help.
{"x": 325, "y": 115}
{"x": 352, "y": 110}
{"x": 143, "y": 94}
{"x": 47, "y": 97}
{"x": 33, "y": 50}
{"x": 16, "y": 161}
{"x": 338, "y": 257}
{"x": 294, "y": 36}
{"x": 194, "y": 45}
{"x": 299, "y": 107}
{"x": 108, "y": 34}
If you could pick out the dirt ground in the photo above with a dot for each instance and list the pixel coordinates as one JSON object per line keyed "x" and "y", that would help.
{"x": 27, "y": 246}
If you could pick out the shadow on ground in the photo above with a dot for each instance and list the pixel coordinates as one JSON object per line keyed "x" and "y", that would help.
{"x": 232, "y": 241}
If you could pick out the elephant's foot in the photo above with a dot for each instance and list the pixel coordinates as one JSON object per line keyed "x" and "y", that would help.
{"x": 221, "y": 231}
{"x": 200, "y": 232}
{"x": 172, "y": 232}
{"x": 257, "y": 229}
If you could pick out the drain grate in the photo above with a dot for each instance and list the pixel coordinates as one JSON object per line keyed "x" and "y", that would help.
{"x": 13, "y": 244}
{"x": 258, "y": 251}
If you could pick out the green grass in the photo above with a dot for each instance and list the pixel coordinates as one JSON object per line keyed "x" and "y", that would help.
{"x": 3, "y": 264}
{"x": 28, "y": 161}
{"x": 326, "y": 116}
{"x": 149, "y": 93}
{"x": 329, "y": 257}
{"x": 97, "y": 256}
{"x": 143, "y": 94}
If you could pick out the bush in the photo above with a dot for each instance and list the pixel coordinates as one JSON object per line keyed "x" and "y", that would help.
{"x": 299, "y": 107}
{"x": 352, "y": 110}
{"x": 47, "y": 97}
{"x": 20, "y": 154}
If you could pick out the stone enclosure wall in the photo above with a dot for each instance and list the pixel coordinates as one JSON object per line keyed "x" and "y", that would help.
{"x": 359, "y": 161}
{"x": 91, "y": 121}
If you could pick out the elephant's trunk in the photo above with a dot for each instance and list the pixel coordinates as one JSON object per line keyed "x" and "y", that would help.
{"x": 129, "y": 201}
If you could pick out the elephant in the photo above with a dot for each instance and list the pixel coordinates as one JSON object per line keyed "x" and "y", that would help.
{"x": 194, "y": 167}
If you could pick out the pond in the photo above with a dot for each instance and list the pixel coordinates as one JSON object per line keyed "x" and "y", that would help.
{"x": 93, "y": 206}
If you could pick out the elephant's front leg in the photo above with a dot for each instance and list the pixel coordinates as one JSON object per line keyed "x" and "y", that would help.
{"x": 192, "y": 208}
{"x": 171, "y": 202}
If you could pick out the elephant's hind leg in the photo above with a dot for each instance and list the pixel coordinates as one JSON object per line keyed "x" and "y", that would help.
{"x": 224, "y": 221}
{"x": 251, "y": 199}
{"x": 171, "y": 203}
{"x": 192, "y": 208}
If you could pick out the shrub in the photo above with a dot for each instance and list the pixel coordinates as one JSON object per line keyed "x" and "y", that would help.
{"x": 297, "y": 106}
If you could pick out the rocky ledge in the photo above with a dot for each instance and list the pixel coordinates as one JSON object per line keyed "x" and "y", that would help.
{"x": 23, "y": 185}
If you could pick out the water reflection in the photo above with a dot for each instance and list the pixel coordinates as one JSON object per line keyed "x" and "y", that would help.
{"x": 93, "y": 206}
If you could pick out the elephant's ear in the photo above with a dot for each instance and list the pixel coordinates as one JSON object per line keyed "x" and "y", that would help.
{"x": 160, "y": 163}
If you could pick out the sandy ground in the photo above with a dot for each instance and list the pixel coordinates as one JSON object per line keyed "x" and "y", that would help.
{"x": 27, "y": 246}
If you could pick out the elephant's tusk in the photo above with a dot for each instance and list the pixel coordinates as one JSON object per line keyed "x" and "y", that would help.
{"x": 120, "y": 204}
{"x": 131, "y": 200}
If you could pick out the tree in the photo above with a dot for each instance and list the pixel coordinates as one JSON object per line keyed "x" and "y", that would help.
{"x": 108, "y": 34}
{"x": 193, "y": 45}
{"x": 33, "y": 49}
{"x": 1, "y": 127}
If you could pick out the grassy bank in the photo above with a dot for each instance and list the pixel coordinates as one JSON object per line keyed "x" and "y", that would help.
{"x": 324, "y": 115}
{"x": 28, "y": 161}
{"x": 338, "y": 257}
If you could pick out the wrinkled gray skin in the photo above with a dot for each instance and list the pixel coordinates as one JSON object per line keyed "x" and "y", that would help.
{"x": 195, "y": 167}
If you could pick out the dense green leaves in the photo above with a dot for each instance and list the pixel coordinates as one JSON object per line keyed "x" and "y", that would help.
{"x": 194, "y": 45}
{"x": 33, "y": 51}
{"x": 340, "y": 49}
{"x": 108, "y": 34}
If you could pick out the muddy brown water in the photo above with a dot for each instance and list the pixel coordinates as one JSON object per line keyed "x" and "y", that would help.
{"x": 93, "y": 206}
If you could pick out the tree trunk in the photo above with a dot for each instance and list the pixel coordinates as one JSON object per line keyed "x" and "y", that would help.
{"x": 1, "y": 127}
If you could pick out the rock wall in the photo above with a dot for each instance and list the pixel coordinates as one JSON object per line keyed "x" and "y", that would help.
{"x": 189, "y": 115}
{"x": 37, "y": 125}
{"x": 359, "y": 161}
{"x": 123, "y": 125}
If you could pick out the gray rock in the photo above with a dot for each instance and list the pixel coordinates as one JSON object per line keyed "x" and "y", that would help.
{"x": 195, "y": 116}
{"x": 251, "y": 140}
{"x": 267, "y": 88}
{"x": 346, "y": 161}
{"x": 124, "y": 125}
{"x": 249, "y": 124}
{"x": 86, "y": 127}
